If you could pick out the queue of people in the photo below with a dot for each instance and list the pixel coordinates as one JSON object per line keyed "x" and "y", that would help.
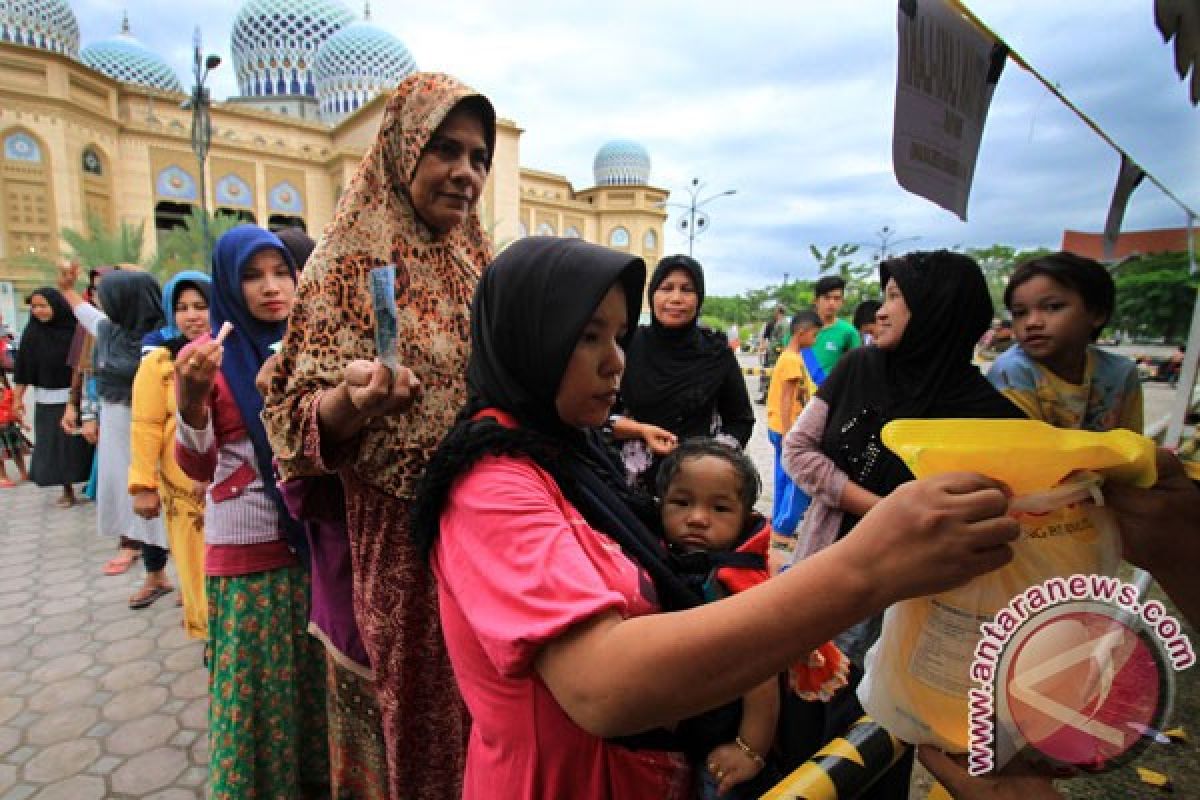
{"x": 486, "y": 561}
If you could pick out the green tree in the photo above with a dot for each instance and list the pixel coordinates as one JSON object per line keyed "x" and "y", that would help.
{"x": 998, "y": 263}
{"x": 97, "y": 245}
{"x": 185, "y": 247}
{"x": 1155, "y": 295}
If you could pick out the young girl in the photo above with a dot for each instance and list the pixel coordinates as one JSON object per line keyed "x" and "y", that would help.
{"x": 266, "y": 686}
{"x": 707, "y": 493}
{"x": 156, "y": 482}
{"x": 1059, "y": 304}
{"x": 13, "y": 442}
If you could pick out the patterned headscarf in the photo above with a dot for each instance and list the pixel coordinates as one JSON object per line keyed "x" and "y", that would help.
{"x": 332, "y": 322}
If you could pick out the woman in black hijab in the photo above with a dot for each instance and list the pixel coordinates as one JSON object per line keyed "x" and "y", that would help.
{"x": 936, "y": 306}
{"x": 681, "y": 379}
{"x": 552, "y": 584}
{"x": 59, "y": 458}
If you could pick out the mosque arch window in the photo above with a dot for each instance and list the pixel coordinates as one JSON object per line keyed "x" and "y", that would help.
{"x": 28, "y": 217}
{"x": 279, "y": 222}
{"x": 619, "y": 237}
{"x": 169, "y": 215}
{"x": 545, "y": 229}
{"x": 240, "y": 214}
{"x": 522, "y": 230}
{"x": 96, "y": 185}
{"x": 572, "y": 232}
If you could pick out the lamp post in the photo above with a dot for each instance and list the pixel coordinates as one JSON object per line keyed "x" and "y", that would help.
{"x": 199, "y": 104}
{"x": 696, "y": 221}
{"x": 887, "y": 241}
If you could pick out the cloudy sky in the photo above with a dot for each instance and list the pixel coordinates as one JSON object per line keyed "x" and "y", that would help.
{"x": 791, "y": 105}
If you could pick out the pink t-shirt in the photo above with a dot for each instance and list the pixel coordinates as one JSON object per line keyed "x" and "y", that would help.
{"x": 517, "y": 566}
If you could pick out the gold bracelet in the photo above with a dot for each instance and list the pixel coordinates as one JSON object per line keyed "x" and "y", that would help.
{"x": 750, "y": 752}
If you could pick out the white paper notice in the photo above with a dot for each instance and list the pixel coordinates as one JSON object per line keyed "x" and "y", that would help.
{"x": 945, "y": 77}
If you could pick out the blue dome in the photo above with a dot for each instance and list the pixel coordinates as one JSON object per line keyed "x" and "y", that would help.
{"x": 621, "y": 162}
{"x": 355, "y": 64}
{"x": 44, "y": 24}
{"x": 124, "y": 58}
{"x": 275, "y": 42}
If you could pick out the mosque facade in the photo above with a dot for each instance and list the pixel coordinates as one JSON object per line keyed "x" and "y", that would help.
{"x": 98, "y": 129}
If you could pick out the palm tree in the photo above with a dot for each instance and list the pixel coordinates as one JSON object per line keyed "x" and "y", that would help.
{"x": 185, "y": 247}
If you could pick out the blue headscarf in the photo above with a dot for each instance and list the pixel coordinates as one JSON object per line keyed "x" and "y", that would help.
{"x": 248, "y": 346}
{"x": 180, "y": 281}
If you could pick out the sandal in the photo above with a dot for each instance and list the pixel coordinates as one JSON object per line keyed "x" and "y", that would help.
{"x": 65, "y": 502}
{"x": 6, "y": 483}
{"x": 119, "y": 564}
{"x": 148, "y": 594}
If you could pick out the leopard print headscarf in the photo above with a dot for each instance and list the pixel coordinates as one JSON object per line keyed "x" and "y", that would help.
{"x": 332, "y": 322}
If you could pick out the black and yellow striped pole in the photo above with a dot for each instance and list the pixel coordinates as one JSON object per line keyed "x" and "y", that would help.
{"x": 844, "y": 768}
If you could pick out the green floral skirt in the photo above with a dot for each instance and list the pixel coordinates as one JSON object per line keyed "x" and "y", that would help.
{"x": 266, "y": 719}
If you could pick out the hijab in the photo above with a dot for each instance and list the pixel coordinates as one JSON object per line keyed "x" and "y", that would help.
{"x": 169, "y": 336}
{"x": 132, "y": 303}
{"x": 42, "y": 355}
{"x": 929, "y": 374}
{"x": 332, "y": 323}
{"x": 298, "y": 243}
{"x": 673, "y": 375}
{"x": 528, "y": 313}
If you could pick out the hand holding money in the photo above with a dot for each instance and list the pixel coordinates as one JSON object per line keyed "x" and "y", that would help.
{"x": 195, "y": 373}
{"x": 374, "y": 390}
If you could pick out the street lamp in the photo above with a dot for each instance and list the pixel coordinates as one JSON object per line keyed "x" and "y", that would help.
{"x": 887, "y": 241}
{"x": 696, "y": 221}
{"x": 199, "y": 104}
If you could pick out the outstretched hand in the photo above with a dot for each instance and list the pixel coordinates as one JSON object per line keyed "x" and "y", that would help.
{"x": 374, "y": 391}
{"x": 934, "y": 534}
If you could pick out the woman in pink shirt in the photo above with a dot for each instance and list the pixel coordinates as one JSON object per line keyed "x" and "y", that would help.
{"x": 552, "y": 585}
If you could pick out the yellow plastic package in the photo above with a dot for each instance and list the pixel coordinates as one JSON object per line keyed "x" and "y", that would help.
{"x": 919, "y": 672}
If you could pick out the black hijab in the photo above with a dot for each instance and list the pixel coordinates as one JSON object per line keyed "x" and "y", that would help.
{"x": 673, "y": 375}
{"x": 45, "y": 346}
{"x": 132, "y": 301}
{"x": 928, "y": 375}
{"x": 528, "y": 311}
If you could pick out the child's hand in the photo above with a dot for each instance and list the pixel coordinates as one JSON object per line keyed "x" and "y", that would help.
{"x": 659, "y": 441}
{"x": 146, "y": 504}
{"x": 731, "y": 766}
{"x": 91, "y": 431}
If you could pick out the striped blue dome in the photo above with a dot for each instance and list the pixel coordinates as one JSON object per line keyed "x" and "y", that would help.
{"x": 355, "y": 64}
{"x": 44, "y": 24}
{"x": 621, "y": 162}
{"x": 275, "y": 43}
{"x": 125, "y": 59}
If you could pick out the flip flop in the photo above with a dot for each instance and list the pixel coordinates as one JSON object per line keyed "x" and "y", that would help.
{"x": 119, "y": 564}
{"x": 6, "y": 484}
{"x": 147, "y": 595}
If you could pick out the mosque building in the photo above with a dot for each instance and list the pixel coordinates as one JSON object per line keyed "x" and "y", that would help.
{"x": 100, "y": 130}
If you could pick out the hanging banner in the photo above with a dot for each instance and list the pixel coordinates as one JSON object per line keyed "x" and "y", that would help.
{"x": 1128, "y": 178}
{"x": 946, "y": 74}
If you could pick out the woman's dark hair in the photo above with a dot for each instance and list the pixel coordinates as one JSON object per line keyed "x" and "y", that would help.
{"x": 864, "y": 314}
{"x": 749, "y": 484}
{"x": 830, "y": 283}
{"x": 1093, "y": 282}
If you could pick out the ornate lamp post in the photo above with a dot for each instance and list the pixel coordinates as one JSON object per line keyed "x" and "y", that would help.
{"x": 696, "y": 222}
{"x": 198, "y": 104}
{"x": 887, "y": 242}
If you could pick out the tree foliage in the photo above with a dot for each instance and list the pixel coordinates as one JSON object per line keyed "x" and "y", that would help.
{"x": 1155, "y": 296}
{"x": 97, "y": 245}
{"x": 185, "y": 247}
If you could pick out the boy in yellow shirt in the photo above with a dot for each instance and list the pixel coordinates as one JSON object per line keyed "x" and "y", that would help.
{"x": 791, "y": 386}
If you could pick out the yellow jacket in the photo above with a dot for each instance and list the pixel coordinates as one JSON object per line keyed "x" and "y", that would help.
{"x": 152, "y": 433}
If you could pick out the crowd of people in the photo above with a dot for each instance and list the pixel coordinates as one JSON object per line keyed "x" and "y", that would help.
{"x": 516, "y": 553}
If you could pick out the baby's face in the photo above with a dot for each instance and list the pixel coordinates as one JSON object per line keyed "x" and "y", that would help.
{"x": 702, "y": 509}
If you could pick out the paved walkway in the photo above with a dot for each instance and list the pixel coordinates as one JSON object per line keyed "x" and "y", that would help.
{"x": 96, "y": 700}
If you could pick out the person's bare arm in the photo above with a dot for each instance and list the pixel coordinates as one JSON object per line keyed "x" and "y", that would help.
{"x": 658, "y": 440}
{"x": 735, "y": 762}
{"x": 1160, "y": 534}
{"x": 925, "y": 537}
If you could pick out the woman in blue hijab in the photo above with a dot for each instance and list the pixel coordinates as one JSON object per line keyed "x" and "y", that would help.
{"x": 264, "y": 665}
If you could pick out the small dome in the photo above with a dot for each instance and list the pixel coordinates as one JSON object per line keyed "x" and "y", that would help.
{"x": 124, "y": 58}
{"x": 44, "y": 24}
{"x": 621, "y": 162}
{"x": 275, "y": 43}
{"x": 355, "y": 64}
